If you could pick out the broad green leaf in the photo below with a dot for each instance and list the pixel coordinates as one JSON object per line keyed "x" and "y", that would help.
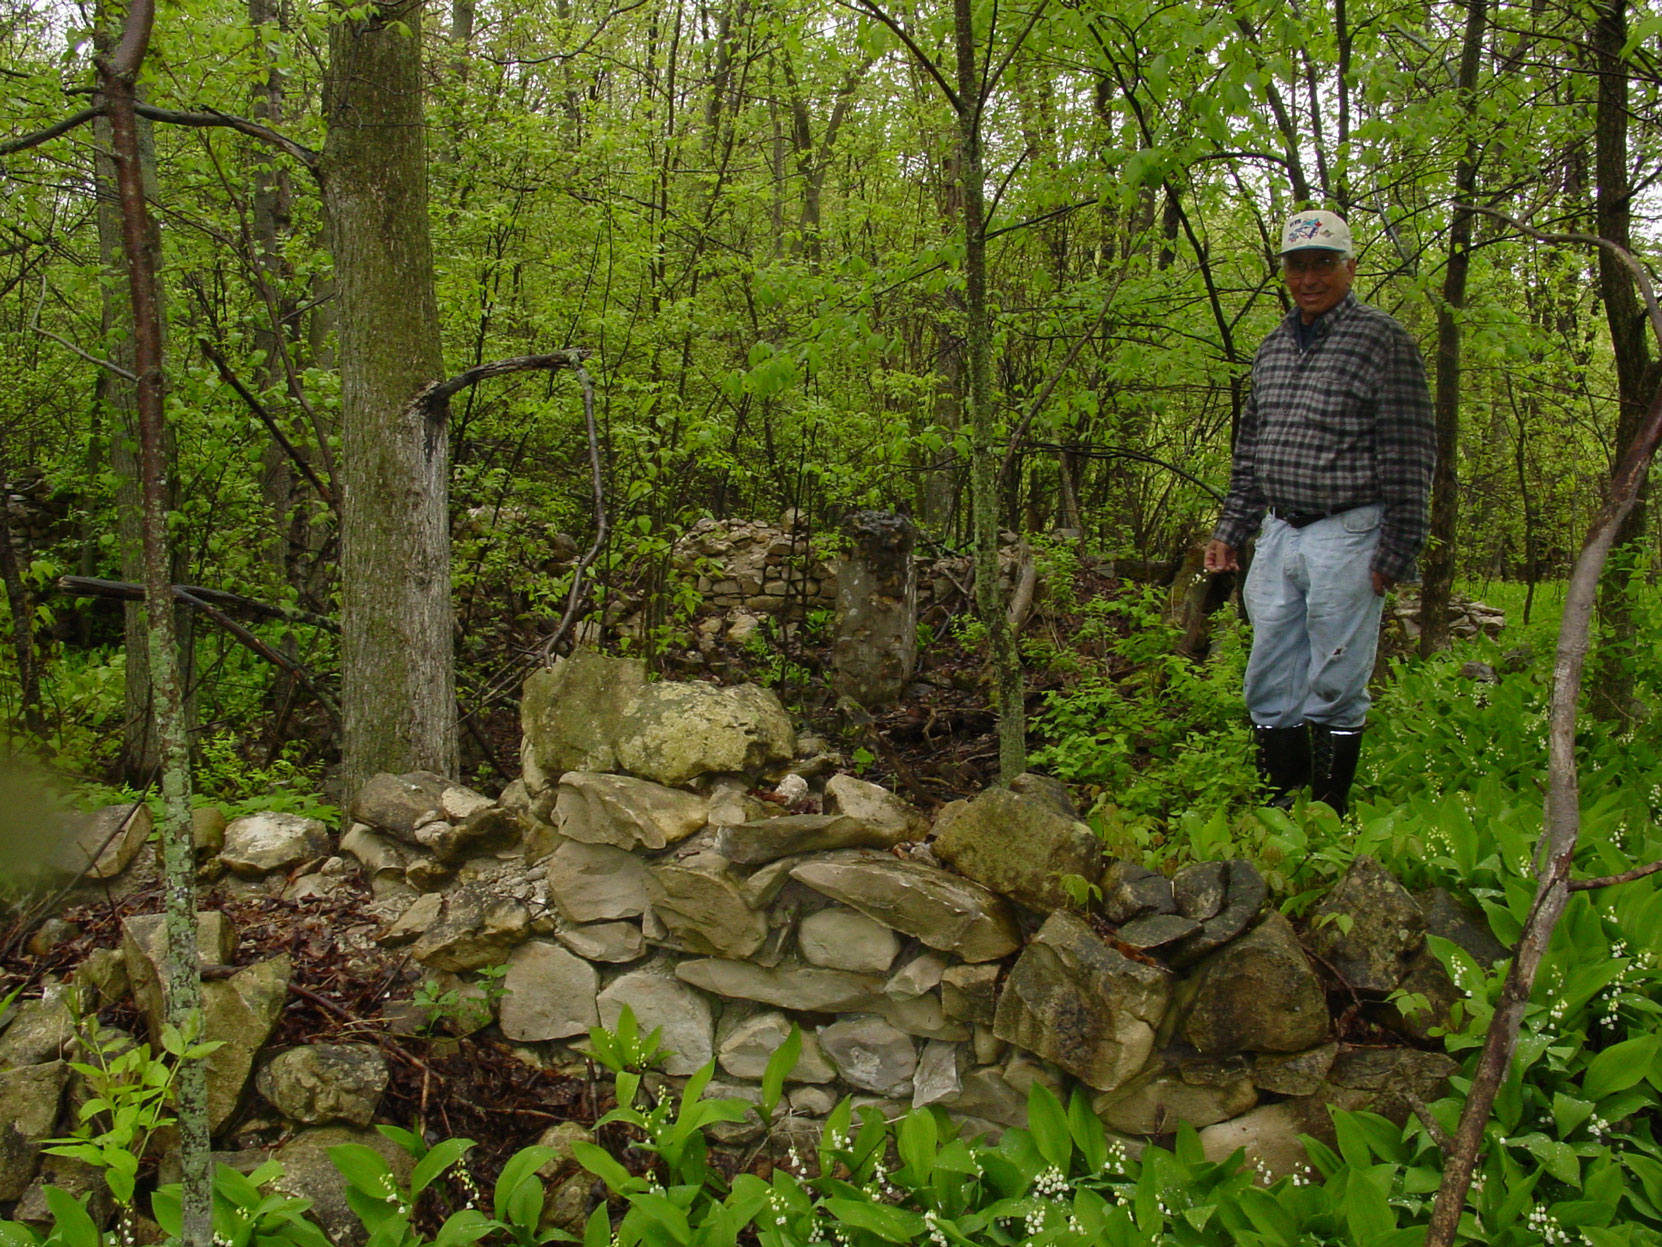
{"x": 1049, "y": 1126}
{"x": 1087, "y": 1132}
{"x": 779, "y": 1065}
{"x": 895, "y": 1225}
{"x": 429, "y": 1168}
{"x": 1619, "y": 1066}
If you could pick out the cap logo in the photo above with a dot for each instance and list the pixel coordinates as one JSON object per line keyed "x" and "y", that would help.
{"x": 1298, "y": 231}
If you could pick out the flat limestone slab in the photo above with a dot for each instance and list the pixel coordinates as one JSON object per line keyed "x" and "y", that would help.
{"x": 943, "y": 910}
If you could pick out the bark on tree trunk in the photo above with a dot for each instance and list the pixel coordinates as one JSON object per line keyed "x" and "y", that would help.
{"x": 1612, "y": 683}
{"x": 398, "y": 695}
{"x": 1010, "y": 688}
{"x": 1445, "y": 485}
{"x": 117, "y": 75}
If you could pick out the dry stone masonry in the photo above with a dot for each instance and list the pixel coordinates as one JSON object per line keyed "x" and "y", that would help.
{"x": 677, "y": 850}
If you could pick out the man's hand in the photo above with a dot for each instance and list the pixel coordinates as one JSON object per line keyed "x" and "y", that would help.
{"x": 1381, "y": 583}
{"x": 1221, "y": 558}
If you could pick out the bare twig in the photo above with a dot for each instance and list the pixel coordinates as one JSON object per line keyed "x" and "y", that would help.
{"x": 252, "y": 642}
{"x": 266, "y": 418}
{"x": 602, "y": 526}
{"x": 37, "y": 137}
{"x": 1628, "y": 259}
{"x": 34, "y": 324}
{"x": 213, "y": 117}
{"x": 92, "y": 587}
{"x": 1610, "y": 881}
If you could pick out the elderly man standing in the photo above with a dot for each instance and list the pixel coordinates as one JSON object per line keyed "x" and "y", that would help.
{"x": 1333, "y": 454}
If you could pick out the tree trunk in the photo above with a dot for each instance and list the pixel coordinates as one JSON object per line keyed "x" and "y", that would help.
{"x": 398, "y": 696}
{"x": 117, "y": 75}
{"x": 1445, "y": 485}
{"x": 1009, "y": 686}
{"x": 1612, "y": 683}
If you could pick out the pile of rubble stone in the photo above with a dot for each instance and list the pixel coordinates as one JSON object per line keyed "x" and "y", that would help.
{"x": 678, "y": 850}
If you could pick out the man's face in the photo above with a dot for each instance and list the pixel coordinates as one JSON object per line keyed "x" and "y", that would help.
{"x": 1317, "y": 280}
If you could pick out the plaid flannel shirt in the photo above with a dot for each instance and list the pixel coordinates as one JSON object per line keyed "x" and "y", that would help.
{"x": 1345, "y": 423}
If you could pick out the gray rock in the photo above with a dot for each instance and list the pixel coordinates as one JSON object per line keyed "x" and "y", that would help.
{"x": 1244, "y": 895}
{"x": 239, "y": 1012}
{"x": 1131, "y": 891}
{"x": 460, "y": 803}
{"x": 41, "y": 1032}
{"x": 876, "y": 807}
{"x": 596, "y": 882}
{"x": 1156, "y": 930}
{"x": 207, "y": 831}
{"x": 702, "y": 907}
{"x": 570, "y": 714}
{"x": 845, "y": 939}
{"x": 32, "y": 1095}
{"x": 922, "y": 1016}
{"x": 943, "y": 910}
{"x": 1271, "y": 1136}
{"x": 970, "y": 993}
{"x": 660, "y": 1001}
{"x": 985, "y": 1093}
{"x": 812, "y": 1102}
{"x": 420, "y": 916}
{"x": 104, "y": 972}
{"x": 144, "y": 950}
{"x": 937, "y": 1077}
{"x": 1448, "y": 918}
{"x": 605, "y": 941}
{"x": 1387, "y": 1081}
{"x": 106, "y": 841}
{"x": 397, "y": 804}
{"x": 626, "y": 812}
{"x": 1367, "y": 928}
{"x": 1256, "y": 994}
{"x": 477, "y": 929}
{"x": 378, "y": 855}
{"x": 1043, "y": 788}
{"x": 1020, "y": 847}
{"x": 262, "y": 844}
{"x": 1294, "y": 1073}
{"x": 309, "y": 1174}
{"x": 1074, "y": 1000}
{"x": 84, "y": 1183}
{"x": 321, "y": 1083}
{"x": 1199, "y": 889}
{"x": 920, "y": 974}
{"x": 801, "y": 989}
{"x": 489, "y": 830}
{"x": 673, "y": 733}
{"x": 1155, "y": 1101}
{"x": 744, "y": 1048}
{"x": 548, "y": 993}
{"x": 1422, "y": 979}
{"x": 871, "y": 1054}
{"x": 753, "y": 843}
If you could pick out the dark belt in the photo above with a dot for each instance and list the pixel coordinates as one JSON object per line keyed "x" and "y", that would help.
{"x": 1303, "y": 519}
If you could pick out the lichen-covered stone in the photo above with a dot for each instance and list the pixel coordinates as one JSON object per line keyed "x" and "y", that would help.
{"x": 320, "y": 1083}
{"x": 570, "y": 714}
{"x": 673, "y": 733}
{"x": 1367, "y": 928}
{"x": 768, "y": 840}
{"x": 702, "y": 907}
{"x": 261, "y": 844}
{"x": 397, "y": 804}
{"x": 1256, "y": 994}
{"x": 1074, "y": 1000}
{"x": 1020, "y": 847}
{"x": 626, "y": 812}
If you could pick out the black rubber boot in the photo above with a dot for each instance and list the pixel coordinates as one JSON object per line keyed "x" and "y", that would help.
{"x": 1283, "y": 761}
{"x": 1333, "y": 754}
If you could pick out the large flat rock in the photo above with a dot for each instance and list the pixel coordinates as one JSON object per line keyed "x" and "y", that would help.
{"x": 943, "y": 910}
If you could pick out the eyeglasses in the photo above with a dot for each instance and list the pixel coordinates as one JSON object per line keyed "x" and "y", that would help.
{"x": 1326, "y": 262}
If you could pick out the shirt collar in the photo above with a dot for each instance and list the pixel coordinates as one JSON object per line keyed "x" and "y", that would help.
{"x": 1325, "y": 322}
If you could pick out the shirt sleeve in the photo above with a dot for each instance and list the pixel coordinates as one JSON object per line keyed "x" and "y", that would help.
{"x": 1405, "y": 451}
{"x": 1246, "y": 504}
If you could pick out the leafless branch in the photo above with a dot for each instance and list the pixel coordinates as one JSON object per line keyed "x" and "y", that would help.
{"x": 1609, "y": 881}
{"x": 213, "y": 117}
{"x": 602, "y": 525}
{"x": 34, "y": 323}
{"x": 271, "y": 655}
{"x": 266, "y": 418}
{"x": 35, "y": 139}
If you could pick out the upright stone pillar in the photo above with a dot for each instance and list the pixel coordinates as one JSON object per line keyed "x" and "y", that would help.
{"x": 876, "y": 645}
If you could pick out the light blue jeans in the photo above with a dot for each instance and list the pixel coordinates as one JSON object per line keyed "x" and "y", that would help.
{"x": 1315, "y": 620}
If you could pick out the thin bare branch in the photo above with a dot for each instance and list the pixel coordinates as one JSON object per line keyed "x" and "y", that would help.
{"x": 1610, "y": 881}
{"x": 34, "y": 324}
{"x": 35, "y": 139}
{"x": 602, "y": 526}
{"x": 1628, "y": 259}
{"x": 431, "y": 396}
{"x": 213, "y": 117}
{"x": 266, "y": 418}
{"x": 923, "y": 58}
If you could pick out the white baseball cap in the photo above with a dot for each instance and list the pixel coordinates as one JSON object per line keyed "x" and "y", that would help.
{"x": 1315, "y": 231}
